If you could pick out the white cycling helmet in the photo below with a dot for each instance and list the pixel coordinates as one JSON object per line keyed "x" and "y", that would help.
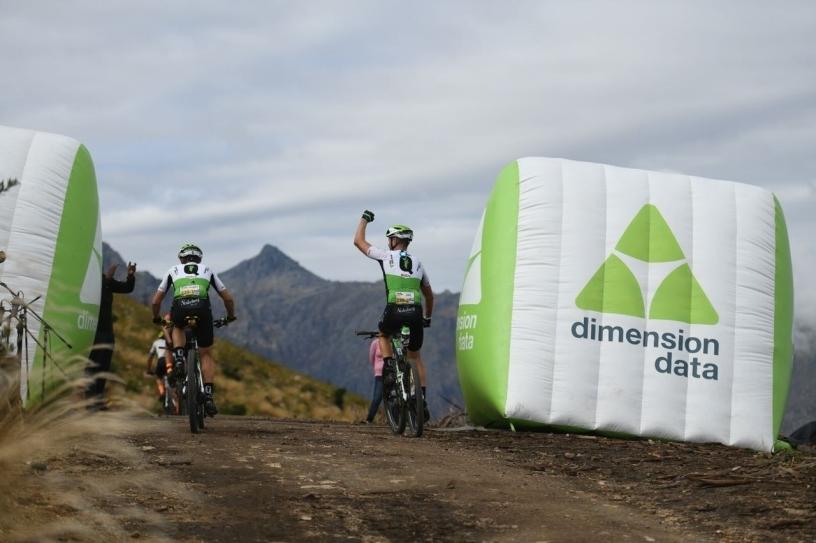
{"x": 400, "y": 231}
{"x": 190, "y": 250}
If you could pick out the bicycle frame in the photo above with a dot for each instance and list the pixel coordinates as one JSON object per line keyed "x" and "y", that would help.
{"x": 402, "y": 399}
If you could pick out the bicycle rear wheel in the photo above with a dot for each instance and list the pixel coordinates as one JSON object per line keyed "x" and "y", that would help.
{"x": 394, "y": 408}
{"x": 416, "y": 402}
{"x": 191, "y": 392}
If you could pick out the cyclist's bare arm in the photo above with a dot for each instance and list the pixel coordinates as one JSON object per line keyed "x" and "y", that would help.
{"x": 229, "y": 303}
{"x": 427, "y": 295}
{"x": 155, "y": 304}
{"x": 359, "y": 237}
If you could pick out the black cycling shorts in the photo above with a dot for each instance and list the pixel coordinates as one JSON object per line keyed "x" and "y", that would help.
{"x": 395, "y": 316}
{"x": 161, "y": 367}
{"x": 194, "y": 307}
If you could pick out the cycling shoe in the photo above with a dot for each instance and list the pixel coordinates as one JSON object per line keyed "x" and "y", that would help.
{"x": 209, "y": 406}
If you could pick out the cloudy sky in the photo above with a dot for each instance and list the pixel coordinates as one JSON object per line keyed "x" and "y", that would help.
{"x": 240, "y": 124}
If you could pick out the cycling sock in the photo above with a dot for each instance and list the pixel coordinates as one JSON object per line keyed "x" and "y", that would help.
{"x": 209, "y": 388}
{"x": 178, "y": 353}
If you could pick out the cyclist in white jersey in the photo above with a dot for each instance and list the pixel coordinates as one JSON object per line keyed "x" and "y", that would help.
{"x": 159, "y": 350}
{"x": 406, "y": 286}
{"x": 191, "y": 281}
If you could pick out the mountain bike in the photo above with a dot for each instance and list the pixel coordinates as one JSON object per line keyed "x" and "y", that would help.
{"x": 192, "y": 383}
{"x": 403, "y": 401}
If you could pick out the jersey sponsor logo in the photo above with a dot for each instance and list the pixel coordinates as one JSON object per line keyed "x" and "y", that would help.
{"x": 189, "y": 303}
{"x": 191, "y": 269}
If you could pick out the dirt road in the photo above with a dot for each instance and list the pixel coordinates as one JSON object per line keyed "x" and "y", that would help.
{"x": 248, "y": 479}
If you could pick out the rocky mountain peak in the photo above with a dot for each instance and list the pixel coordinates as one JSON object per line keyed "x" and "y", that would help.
{"x": 271, "y": 261}
{"x": 273, "y": 258}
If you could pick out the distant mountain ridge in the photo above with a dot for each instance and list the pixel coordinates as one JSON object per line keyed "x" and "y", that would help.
{"x": 287, "y": 313}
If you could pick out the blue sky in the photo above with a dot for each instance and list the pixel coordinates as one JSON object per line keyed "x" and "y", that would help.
{"x": 278, "y": 122}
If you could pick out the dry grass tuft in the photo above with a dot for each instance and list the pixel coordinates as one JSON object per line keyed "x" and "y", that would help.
{"x": 66, "y": 473}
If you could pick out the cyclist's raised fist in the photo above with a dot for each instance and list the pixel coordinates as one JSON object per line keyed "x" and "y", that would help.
{"x": 368, "y": 216}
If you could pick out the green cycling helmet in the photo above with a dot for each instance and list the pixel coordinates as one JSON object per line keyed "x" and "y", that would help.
{"x": 190, "y": 250}
{"x": 400, "y": 231}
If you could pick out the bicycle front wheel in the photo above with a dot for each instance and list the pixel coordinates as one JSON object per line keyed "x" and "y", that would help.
{"x": 191, "y": 392}
{"x": 416, "y": 402}
{"x": 394, "y": 408}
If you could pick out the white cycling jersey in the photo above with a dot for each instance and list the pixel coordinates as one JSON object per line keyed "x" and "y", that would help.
{"x": 191, "y": 280}
{"x": 403, "y": 274}
{"x": 158, "y": 348}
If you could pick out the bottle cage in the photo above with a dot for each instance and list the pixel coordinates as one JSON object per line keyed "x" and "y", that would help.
{"x": 406, "y": 335}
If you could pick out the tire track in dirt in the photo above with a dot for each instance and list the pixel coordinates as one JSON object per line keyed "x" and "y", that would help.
{"x": 265, "y": 480}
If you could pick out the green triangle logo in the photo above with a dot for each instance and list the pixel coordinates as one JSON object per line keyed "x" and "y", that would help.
{"x": 615, "y": 289}
{"x": 649, "y": 238}
{"x": 681, "y": 298}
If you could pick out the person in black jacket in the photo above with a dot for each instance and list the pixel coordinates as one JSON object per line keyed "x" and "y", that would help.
{"x": 102, "y": 352}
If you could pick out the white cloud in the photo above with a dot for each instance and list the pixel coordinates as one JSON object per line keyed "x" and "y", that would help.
{"x": 278, "y": 122}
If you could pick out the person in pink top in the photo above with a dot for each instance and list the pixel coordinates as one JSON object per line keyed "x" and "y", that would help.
{"x": 376, "y": 360}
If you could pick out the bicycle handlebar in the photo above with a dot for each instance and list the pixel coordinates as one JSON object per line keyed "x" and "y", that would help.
{"x": 218, "y": 323}
{"x": 367, "y": 334}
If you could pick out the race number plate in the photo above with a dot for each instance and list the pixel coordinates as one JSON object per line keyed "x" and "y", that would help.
{"x": 404, "y": 298}
{"x": 189, "y": 291}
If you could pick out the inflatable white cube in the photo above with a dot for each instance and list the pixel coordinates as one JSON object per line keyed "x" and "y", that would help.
{"x": 49, "y": 231}
{"x": 622, "y": 300}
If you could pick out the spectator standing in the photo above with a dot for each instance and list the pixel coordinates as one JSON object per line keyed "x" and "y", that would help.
{"x": 376, "y": 360}
{"x": 102, "y": 352}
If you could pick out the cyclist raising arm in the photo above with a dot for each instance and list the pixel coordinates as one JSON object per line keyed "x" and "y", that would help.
{"x": 191, "y": 281}
{"x": 406, "y": 286}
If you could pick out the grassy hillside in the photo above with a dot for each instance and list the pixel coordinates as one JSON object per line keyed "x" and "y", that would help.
{"x": 246, "y": 384}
